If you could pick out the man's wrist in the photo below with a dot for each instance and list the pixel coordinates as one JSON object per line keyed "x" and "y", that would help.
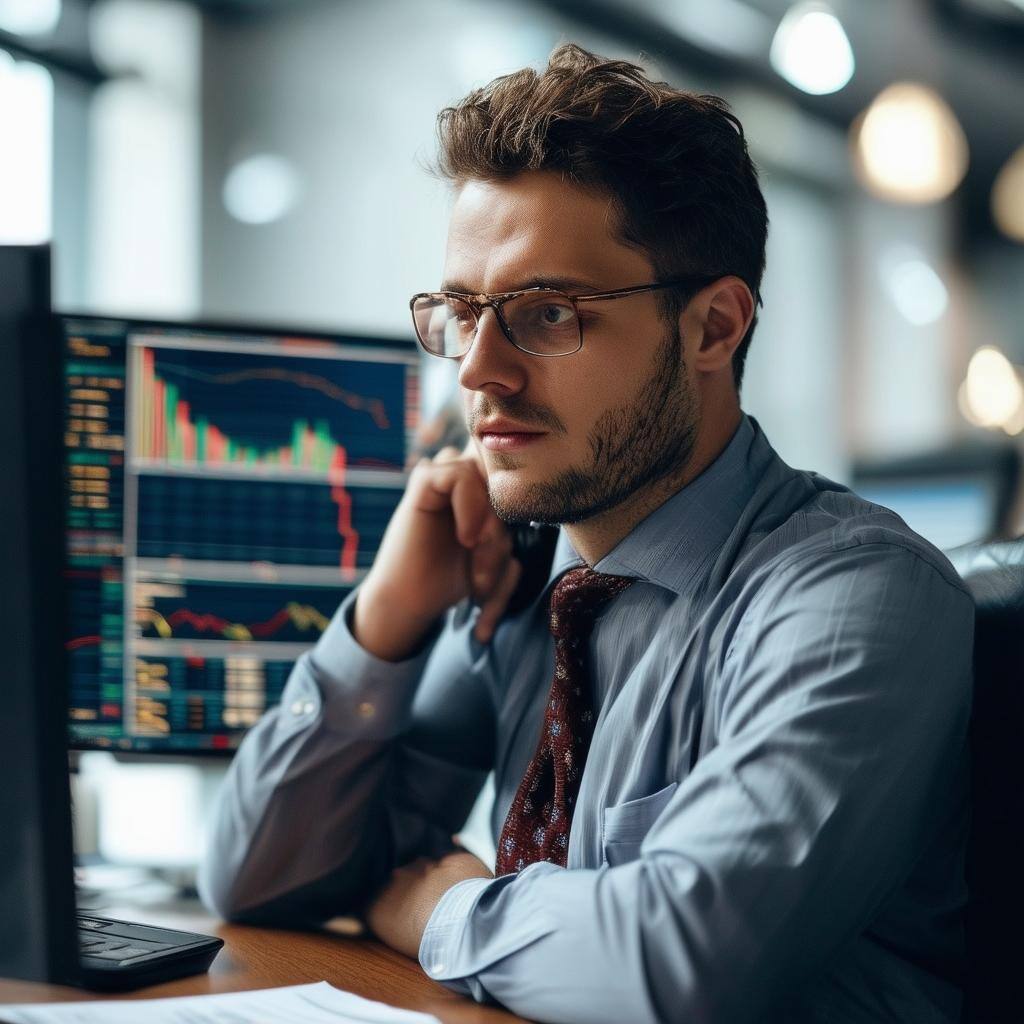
{"x": 381, "y": 627}
{"x": 443, "y": 930}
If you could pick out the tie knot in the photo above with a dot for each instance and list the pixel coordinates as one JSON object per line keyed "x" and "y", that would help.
{"x": 578, "y": 596}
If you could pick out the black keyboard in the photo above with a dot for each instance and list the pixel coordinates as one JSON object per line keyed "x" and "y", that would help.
{"x": 121, "y": 954}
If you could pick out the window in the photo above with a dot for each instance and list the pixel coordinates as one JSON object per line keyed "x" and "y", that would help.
{"x": 26, "y": 132}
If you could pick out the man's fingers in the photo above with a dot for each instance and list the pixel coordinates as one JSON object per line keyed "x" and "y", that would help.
{"x": 494, "y": 606}
{"x": 470, "y": 505}
{"x": 489, "y": 559}
{"x": 453, "y": 481}
{"x": 447, "y": 454}
{"x": 455, "y": 485}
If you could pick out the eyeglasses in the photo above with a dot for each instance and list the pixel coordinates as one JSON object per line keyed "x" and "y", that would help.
{"x": 540, "y": 321}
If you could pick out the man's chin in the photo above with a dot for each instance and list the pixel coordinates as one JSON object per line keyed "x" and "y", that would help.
{"x": 518, "y": 502}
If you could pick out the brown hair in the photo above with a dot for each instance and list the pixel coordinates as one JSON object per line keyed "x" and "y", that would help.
{"x": 675, "y": 163}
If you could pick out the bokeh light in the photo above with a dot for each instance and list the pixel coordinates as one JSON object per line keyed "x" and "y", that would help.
{"x": 908, "y": 145}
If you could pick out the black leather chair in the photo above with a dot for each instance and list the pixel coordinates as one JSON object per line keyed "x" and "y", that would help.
{"x": 995, "y": 860}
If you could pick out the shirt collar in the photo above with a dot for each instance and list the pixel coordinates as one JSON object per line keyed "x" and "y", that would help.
{"x": 676, "y": 544}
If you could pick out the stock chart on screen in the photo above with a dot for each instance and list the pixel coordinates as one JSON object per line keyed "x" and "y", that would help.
{"x": 226, "y": 490}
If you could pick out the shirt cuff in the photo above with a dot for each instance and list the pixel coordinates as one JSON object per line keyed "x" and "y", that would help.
{"x": 473, "y": 926}
{"x": 362, "y": 694}
{"x": 442, "y": 937}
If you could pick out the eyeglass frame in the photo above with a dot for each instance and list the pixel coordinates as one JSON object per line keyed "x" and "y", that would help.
{"x": 497, "y": 299}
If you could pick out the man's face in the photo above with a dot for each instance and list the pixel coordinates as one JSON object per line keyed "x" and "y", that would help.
{"x": 605, "y": 422}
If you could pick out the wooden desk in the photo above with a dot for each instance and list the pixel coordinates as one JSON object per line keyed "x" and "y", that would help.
{"x": 266, "y": 957}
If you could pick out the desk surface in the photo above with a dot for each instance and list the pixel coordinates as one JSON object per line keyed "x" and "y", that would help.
{"x": 265, "y": 957}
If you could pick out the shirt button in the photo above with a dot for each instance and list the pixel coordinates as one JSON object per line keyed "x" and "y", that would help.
{"x": 366, "y": 709}
{"x": 308, "y": 707}
{"x": 437, "y": 968}
{"x": 297, "y": 707}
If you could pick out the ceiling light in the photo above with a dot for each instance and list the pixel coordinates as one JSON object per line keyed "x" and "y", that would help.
{"x": 261, "y": 189}
{"x": 1015, "y": 424}
{"x": 992, "y": 392}
{"x": 1008, "y": 197}
{"x": 908, "y": 145}
{"x": 811, "y": 51}
{"x": 29, "y": 17}
{"x": 965, "y": 407}
{"x": 915, "y": 288}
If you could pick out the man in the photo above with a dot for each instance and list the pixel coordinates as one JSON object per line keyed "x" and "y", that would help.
{"x": 728, "y": 737}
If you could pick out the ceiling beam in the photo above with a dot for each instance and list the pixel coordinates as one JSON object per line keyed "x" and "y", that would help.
{"x": 83, "y": 68}
{"x": 633, "y": 25}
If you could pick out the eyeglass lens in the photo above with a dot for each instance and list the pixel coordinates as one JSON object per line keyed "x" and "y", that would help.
{"x": 541, "y": 323}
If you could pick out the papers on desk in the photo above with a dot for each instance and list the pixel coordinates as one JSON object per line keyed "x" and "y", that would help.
{"x": 297, "y": 1004}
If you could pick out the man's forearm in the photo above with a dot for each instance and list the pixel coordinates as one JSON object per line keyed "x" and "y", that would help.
{"x": 382, "y": 627}
{"x": 401, "y": 910}
{"x": 298, "y": 803}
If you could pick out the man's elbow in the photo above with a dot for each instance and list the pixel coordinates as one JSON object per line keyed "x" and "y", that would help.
{"x": 218, "y": 892}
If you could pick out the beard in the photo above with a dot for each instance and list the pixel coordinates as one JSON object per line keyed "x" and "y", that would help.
{"x": 632, "y": 447}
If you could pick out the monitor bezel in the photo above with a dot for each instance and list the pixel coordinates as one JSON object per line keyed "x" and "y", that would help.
{"x": 997, "y": 463}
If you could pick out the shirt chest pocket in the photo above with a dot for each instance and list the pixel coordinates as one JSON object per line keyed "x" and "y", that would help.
{"x": 624, "y": 826}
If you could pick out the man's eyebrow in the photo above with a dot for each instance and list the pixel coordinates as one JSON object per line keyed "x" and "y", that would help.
{"x": 560, "y": 282}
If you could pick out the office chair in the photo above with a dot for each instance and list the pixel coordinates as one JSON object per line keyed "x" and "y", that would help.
{"x": 995, "y": 859}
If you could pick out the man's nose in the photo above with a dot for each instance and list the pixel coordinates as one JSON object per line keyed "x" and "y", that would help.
{"x": 492, "y": 361}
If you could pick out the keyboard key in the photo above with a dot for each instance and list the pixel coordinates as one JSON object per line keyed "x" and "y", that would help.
{"x": 108, "y": 954}
{"x": 132, "y": 951}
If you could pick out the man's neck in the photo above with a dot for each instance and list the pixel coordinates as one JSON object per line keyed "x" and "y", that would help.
{"x": 596, "y": 537}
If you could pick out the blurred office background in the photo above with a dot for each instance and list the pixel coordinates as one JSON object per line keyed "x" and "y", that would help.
{"x": 263, "y": 161}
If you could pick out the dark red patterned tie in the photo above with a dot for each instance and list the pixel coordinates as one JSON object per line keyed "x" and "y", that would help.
{"x": 537, "y": 826}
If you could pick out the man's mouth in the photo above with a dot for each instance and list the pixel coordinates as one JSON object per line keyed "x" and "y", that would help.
{"x": 506, "y": 435}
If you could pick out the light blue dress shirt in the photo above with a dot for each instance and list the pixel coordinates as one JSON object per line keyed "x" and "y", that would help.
{"x": 772, "y": 818}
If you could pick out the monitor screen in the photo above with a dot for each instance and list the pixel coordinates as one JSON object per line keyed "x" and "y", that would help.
{"x": 948, "y": 511}
{"x": 226, "y": 489}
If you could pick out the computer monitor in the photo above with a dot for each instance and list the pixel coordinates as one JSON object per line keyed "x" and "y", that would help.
{"x": 37, "y": 940}
{"x": 226, "y": 488}
{"x": 950, "y": 497}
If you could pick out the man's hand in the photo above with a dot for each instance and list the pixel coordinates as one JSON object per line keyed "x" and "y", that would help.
{"x": 443, "y": 543}
{"x": 398, "y": 915}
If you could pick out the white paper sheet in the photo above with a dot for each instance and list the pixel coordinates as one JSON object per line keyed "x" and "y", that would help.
{"x": 319, "y": 1003}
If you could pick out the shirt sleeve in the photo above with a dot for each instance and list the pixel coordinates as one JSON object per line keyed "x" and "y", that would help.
{"x": 841, "y": 717}
{"x": 364, "y": 765}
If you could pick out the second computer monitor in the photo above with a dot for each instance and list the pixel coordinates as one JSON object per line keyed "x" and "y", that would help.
{"x": 227, "y": 488}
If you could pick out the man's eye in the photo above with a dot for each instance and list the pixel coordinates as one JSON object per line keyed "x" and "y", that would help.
{"x": 460, "y": 314}
{"x": 556, "y": 316}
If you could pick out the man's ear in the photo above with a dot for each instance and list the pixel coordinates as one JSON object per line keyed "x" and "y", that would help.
{"x": 724, "y": 310}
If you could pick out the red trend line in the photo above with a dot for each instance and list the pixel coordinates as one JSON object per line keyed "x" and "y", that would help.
{"x": 201, "y": 623}
{"x": 272, "y": 625}
{"x": 215, "y": 624}
{"x": 349, "y": 536}
{"x": 83, "y": 641}
{"x": 209, "y": 623}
